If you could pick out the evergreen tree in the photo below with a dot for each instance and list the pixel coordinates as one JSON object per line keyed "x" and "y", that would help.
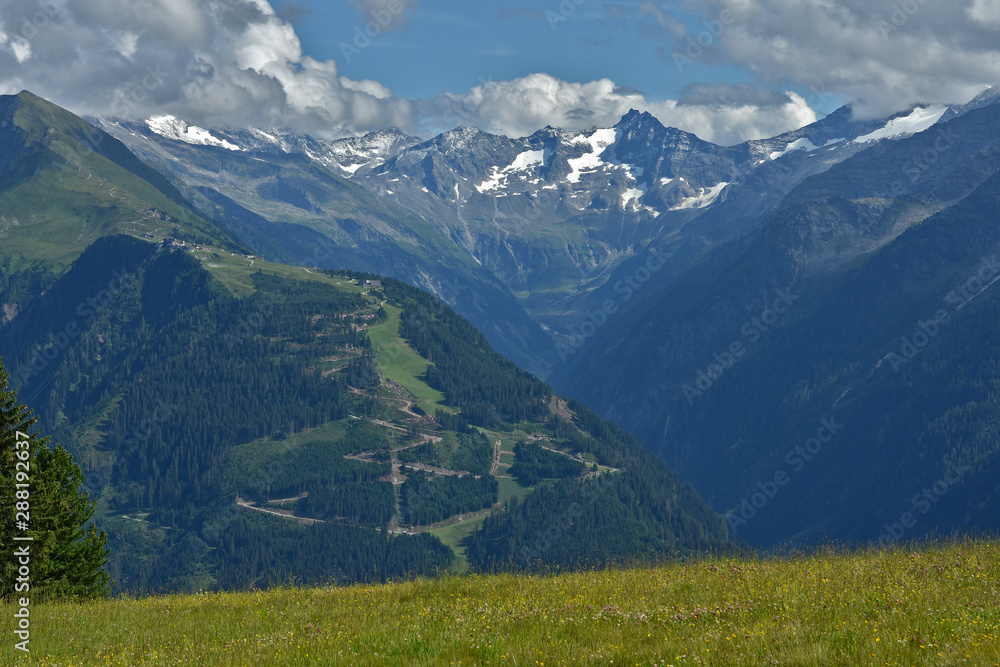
{"x": 67, "y": 558}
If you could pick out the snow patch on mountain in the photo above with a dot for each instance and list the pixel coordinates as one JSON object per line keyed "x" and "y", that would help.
{"x": 266, "y": 136}
{"x": 174, "y": 128}
{"x": 918, "y": 120}
{"x": 632, "y": 194}
{"x": 351, "y": 168}
{"x": 803, "y": 144}
{"x": 706, "y": 197}
{"x": 588, "y": 162}
{"x": 523, "y": 162}
{"x": 632, "y": 172}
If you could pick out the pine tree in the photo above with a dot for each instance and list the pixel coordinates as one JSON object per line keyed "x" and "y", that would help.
{"x": 67, "y": 557}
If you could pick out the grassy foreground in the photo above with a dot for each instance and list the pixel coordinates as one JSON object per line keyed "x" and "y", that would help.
{"x": 932, "y": 606}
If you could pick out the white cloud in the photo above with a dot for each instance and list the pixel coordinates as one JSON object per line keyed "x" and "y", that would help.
{"x": 373, "y": 88}
{"x": 886, "y": 55}
{"x": 236, "y": 62}
{"x": 986, "y": 12}
{"x": 21, "y": 48}
{"x": 126, "y": 43}
{"x": 210, "y": 62}
{"x": 723, "y": 114}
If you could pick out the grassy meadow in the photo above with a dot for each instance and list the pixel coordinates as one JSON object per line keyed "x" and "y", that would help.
{"x": 401, "y": 363}
{"x": 932, "y": 605}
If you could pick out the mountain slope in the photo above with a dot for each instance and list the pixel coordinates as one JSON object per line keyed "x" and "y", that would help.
{"x": 64, "y": 184}
{"x": 544, "y": 228}
{"x": 289, "y": 200}
{"x": 235, "y": 420}
{"x": 780, "y": 331}
{"x": 55, "y": 166}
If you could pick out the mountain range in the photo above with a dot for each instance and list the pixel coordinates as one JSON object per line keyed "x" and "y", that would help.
{"x": 864, "y": 297}
{"x": 242, "y": 422}
{"x": 524, "y": 236}
{"x": 801, "y": 326}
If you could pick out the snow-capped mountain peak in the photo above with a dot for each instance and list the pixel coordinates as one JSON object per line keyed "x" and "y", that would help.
{"x": 174, "y": 128}
{"x": 590, "y": 161}
{"x": 916, "y": 121}
{"x": 524, "y": 162}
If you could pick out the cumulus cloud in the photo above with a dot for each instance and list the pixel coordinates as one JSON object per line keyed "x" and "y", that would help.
{"x": 986, "y": 12}
{"x": 238, "y": 62}
{"x": 721, "y": 114}
{"x": 884, "y": 55}
{"x": 212, "y": 62}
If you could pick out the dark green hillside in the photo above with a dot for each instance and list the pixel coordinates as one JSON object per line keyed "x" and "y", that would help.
{"x": 238, "y": 429}
{"x": 244, "y": 423}
{"x": 533, "y": 463}
{"x": 641, "y": 509}
{"x": 155, "y": 385}
{"x": 626, "y": 505}
{"x": 489, "y": 389}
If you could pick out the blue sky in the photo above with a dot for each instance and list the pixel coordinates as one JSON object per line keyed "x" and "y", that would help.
{"x": 453, "y": 46}
{"x": 762, "y": 66}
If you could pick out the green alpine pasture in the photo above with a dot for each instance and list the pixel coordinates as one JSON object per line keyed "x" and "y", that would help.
{"x": 936, "y": 604}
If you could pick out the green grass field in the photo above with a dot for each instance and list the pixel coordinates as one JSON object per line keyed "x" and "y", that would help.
{"x": 236, "y": 272}
{"x": 509, "y": 488}
{"x": 938, "y": 605}
{"x": 454, "y": 534}
{"x": 401, "y": 363}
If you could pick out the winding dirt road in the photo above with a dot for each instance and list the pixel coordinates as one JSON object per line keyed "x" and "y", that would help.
{"x": 286, "y": 514}
{"x": 496, "y": 458}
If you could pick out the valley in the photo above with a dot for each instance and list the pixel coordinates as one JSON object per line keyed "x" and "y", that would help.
{"x": 390, "y": 332}
{"x": 243, "y": 381}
